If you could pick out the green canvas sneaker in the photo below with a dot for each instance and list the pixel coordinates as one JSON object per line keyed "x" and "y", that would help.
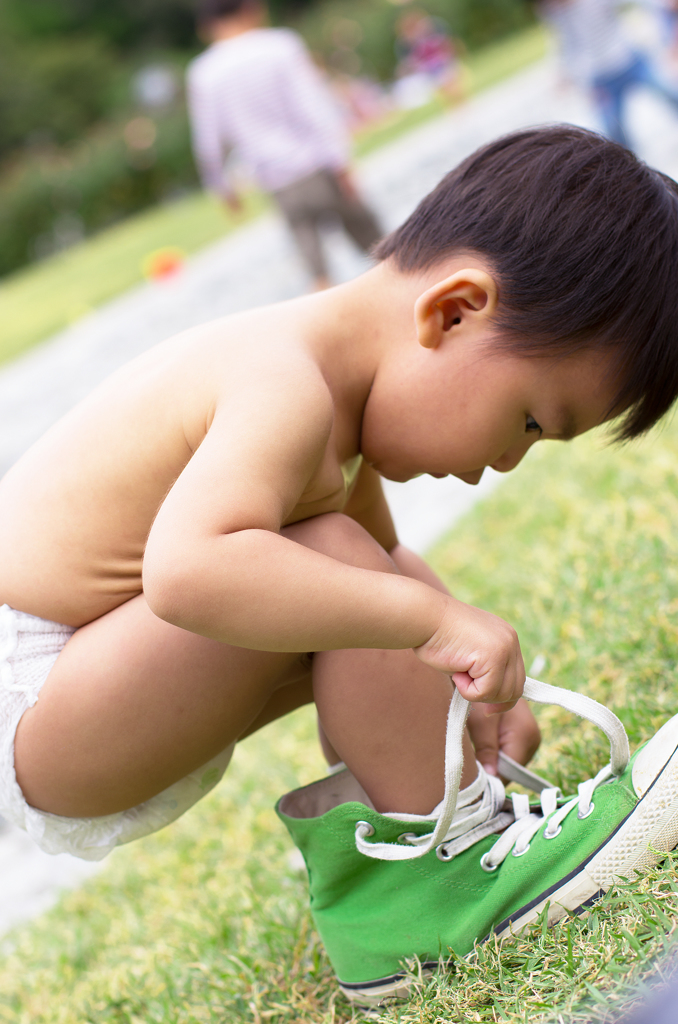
{"x": 386, "y": 887}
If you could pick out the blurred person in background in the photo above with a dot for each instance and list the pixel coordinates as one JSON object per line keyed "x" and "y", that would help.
{"x": 596, "y": 52}
{"x": 256, "y": 92}
{"x": 667, "y": 11}
{"x": 425, "y": 49}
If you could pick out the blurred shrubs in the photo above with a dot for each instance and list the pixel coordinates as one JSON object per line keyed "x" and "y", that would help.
{"x": 50, "y": 201}
{"x": 479, "y": 22}
{"x": 127, "y": 24}
{"x": 52, "y": 91}
{"x": 69, "y": 166}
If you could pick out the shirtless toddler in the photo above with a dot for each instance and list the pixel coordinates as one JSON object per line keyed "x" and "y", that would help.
{"x": 203, "y": 544}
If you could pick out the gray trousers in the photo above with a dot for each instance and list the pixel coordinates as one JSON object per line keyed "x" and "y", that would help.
{"x": 308, "y": 203}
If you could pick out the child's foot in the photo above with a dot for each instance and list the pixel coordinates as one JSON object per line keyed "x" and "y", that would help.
{"x": 385, "y": 888}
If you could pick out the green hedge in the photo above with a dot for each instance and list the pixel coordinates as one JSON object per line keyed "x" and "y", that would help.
{"x": 89, "y": 188}
{"x": 130, "y": 25}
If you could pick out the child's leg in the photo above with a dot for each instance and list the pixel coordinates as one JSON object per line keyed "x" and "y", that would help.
{"x": 385, "y": 713}
{"x": 133, "y": 704}
{"x": 300, "y": 204}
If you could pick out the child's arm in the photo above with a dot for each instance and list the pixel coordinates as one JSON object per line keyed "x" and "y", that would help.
{"x": 368, "y": 506}
{"x": 515, "y": 732}
{"x": 216, "y": 564}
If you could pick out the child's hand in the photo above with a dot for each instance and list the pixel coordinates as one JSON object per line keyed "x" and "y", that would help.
{"x": 515, "y": 733}
{"x": 481, "y": 653}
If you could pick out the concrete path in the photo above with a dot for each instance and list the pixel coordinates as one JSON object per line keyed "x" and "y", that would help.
{"x": 255, "y": 266}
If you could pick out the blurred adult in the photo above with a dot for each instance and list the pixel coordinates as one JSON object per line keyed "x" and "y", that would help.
{"x": 596, "y": 52}
{"x": 256, "y": 91}
{"x": 667, "y": 12}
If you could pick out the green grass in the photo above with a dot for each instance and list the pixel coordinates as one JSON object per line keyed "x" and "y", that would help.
{"x": 207, "y": 921}
{"x": 43, "y": 298}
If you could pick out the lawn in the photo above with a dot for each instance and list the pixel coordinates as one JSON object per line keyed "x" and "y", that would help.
{"x": 207, "y": 921}
{"x": 41, "y": 299}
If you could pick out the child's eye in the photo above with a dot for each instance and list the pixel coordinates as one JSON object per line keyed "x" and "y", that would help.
{"x": 531, "y": 424}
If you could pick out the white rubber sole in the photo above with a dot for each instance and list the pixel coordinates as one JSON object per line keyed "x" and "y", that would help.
{"x": 648, "y": 833}
{"x": 378, "y": 992}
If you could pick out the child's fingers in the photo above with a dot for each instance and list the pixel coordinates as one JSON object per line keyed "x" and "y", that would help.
{"x": 485, "y": 688}
{"x": 484, "y": 733}
{"x": 514, "y": 731}
{"x": 490, "y": 710}
{"x": 465, "y": 683}
{"x": 500, "y": 685}
{"x": 493, "y": 699}
{"x": 481, "y": 653}
{"x": 519, "y": 735}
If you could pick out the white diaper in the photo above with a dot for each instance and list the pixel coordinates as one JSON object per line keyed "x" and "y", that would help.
{"x": 29, "y": 646}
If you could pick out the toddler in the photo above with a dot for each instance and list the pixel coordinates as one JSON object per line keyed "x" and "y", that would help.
{"x": 203, "y": 544}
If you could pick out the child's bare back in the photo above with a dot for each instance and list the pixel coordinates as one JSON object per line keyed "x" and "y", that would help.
{"x": 76, "y": 510}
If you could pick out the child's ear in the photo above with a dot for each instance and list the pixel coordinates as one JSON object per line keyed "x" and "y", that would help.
{"x": 467, "y": 298}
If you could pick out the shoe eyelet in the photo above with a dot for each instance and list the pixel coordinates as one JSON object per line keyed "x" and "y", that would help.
{"x": 552, "y": 835}
{"x": 520, "y": 853}
{"x": 582, "y": 817}
{"x": 406, "y": 837}
{"x": 442, "y": 853}
{"x": 487, "y": 867}
{"x": 367, "y": 829}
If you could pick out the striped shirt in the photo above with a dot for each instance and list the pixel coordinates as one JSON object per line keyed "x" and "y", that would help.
{"x": 591, "y": 38}
{"x": 259, "y": 94}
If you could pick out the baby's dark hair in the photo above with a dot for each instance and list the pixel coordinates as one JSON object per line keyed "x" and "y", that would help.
{"x": 213, "y": 10}
{"x": 583, "y": 240}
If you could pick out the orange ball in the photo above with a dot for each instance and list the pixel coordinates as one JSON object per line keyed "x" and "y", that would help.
{"x": 163, "y": 263}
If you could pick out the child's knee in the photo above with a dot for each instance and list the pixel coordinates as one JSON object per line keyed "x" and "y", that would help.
{"x": 340, "y": 537}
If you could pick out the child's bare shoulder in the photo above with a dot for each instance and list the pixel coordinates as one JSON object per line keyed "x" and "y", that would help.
{"x": 265, "y": 358}
{"x": 257, "y": 388}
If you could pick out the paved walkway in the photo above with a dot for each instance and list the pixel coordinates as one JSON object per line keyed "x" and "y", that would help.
{"x": 255, "y": 266}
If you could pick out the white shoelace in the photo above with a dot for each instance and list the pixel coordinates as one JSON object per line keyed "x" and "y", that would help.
{"x": 477, "y": 811}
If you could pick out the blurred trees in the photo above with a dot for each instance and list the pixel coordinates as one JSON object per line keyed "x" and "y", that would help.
{"x": 124, "y": 23}
{"x": 54, "y": 91}
{"x": 68, "y": 165}
{"x": 62, "y": 61}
